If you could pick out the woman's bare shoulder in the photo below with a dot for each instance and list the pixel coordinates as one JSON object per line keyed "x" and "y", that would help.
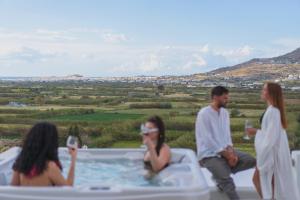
{"x": 167, "y": 147}
{"x": 51, "y": 165}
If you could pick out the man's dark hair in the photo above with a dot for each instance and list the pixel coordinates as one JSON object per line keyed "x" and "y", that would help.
{"x": 219, "y": 91}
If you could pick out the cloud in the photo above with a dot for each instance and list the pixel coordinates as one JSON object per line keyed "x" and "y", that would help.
{"x": 235, "y": 54}
{"x": 238, "y": 52}
{"x": 109, "y": 37}
{"x": 55, "y": 35}
{"x": 66, "y": 35}
{"x": 167, "y": 60}
{"x": 290, "y": 43}
{"x": 105, "y": 52}
{"x": 204, "y": 49}
{"x": 198, "y": 61}
{"x": 150, "y": 63}
{"x": 114, "y": 59}
{"x": 26, "y": 55}
{"x": 37, "y": 35}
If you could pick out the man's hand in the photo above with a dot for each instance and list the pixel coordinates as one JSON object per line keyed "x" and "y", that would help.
{"x": 233, "y": 160}
{"x": 230, "y": 156}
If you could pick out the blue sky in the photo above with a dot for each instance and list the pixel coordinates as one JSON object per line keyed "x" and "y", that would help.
{"x": 141, "y": 37}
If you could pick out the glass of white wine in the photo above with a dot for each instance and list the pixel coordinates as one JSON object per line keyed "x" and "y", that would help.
{"x": 72, "y": 142}
{"x": 248, "y": 124}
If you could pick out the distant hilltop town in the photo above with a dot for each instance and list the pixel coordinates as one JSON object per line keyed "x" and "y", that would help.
{"x": 251, "y": 74}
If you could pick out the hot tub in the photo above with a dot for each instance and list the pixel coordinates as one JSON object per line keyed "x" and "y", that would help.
{"x": 114, "y": 174}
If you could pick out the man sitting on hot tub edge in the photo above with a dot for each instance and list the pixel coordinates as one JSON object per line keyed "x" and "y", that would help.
{"x": 214, "y": 144}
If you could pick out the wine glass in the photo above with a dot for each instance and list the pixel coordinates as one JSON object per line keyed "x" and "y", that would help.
{"x": 142, "y": 133}
{"x": 248, "y": 124}
{"x": 72, "y": 142}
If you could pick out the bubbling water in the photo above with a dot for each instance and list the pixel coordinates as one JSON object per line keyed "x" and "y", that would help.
{"x": 111, "y": 172}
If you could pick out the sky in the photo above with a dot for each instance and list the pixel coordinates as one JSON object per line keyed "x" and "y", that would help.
{"x": 102, "y": 38}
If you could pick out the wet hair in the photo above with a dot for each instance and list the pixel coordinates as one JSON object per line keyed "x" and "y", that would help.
{"x": 277, "y": 100}
{"x": 157, "y": 121}
{"x": 39, "y": 147}
{"x": 219, "y": 91}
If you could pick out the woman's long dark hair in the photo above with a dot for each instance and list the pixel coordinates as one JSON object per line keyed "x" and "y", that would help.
{"x": 39, "y": 147}
{"x": 157, "y": 121}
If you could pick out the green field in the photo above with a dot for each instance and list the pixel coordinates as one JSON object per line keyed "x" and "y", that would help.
{"x": 99, "y": 117}
{"x": 110, "y": 114}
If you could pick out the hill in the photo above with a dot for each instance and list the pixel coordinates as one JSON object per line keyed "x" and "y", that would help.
{"x": 263, "y": 68}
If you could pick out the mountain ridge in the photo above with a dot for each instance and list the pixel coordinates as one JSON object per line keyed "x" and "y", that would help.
{"x": 265, "y": 68}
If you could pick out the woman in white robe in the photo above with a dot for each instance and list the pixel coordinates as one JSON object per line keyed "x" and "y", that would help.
{"x": 274, "y": 177}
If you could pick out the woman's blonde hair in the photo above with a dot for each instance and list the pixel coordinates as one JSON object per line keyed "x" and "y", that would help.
{"x": 277, "y": 100}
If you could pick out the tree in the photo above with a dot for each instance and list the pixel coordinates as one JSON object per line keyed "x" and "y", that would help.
{"x": 64, "y": 96}
{"x": 40, "y": 100}
{"x": 160, "y": 89}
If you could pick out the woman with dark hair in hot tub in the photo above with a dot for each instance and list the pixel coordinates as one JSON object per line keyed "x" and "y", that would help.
{"x": 158, "y": 154}
{"x": 38, "y": 163}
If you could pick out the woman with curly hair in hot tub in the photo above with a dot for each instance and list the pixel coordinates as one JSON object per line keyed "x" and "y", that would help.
{"x": 38, "y": 163}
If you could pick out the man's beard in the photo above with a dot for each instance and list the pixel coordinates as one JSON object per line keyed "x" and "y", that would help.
{"x": 222, "y": 105}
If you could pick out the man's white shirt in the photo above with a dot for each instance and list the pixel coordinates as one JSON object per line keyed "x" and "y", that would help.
{"x": 212, "y": 132}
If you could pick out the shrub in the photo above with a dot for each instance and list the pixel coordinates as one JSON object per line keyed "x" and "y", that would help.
{"x": 126, "y": 136}
{"x": 173, "y": 135}
{"x": 247, "y": 106}
{"x": 235, "y": 113}
{"x": 40, "y": 100}
{"x": 94, "y": 132}
{"x": 103, "y": 142}
{"x": 179, "y": 125}
{"x": 185, "y": 141}
{"x": 140, "y": 95}
{"x": 62, "y": 137}
{"x": 64, "y": 96}
{"x": 115, "y": 102}
{"x": 85, "y": 97}
{"x": 16, "y": 132}
{"x": 237, "y": 127}
{"x": 74, "y": 131}
{"x": 237, "y": 138}
{"x": 126, "y": 131}
{"x": 297, "y": 134}
{"x": 173, "y": 113}
{"x": 164, "y": 105}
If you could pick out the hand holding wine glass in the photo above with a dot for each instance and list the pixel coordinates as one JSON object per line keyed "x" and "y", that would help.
{"x": 248, "y": 125}
{"x": 72, "y": 144}
{"x": 249, "y": 130}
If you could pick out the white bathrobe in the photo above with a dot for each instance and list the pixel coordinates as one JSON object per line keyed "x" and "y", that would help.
{"x": 273, "y": 158}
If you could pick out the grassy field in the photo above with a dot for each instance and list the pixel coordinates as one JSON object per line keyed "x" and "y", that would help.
{"x": 99, "y": 117}
{"x": 110, "y": 114}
